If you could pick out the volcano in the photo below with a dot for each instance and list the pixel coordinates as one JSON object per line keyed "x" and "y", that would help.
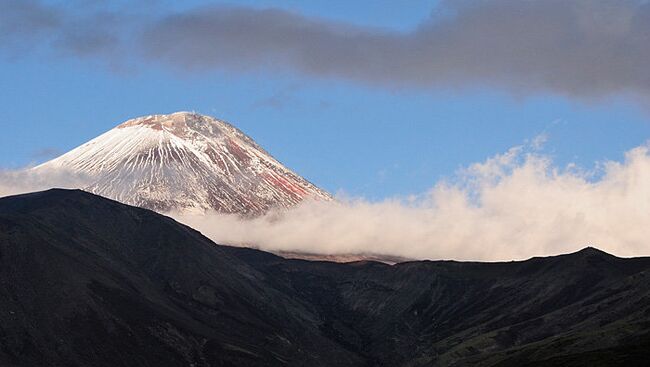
{"x": 185, "y": 162}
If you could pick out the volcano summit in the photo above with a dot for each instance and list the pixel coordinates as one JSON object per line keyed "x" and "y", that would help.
{"x": 185, "y": 162}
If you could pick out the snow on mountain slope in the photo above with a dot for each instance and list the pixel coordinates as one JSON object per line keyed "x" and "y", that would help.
{"x": 186, "y": 162}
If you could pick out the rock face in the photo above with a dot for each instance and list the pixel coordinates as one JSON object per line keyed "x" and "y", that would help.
{"x": 185, "y": 162}
{"x": 87, "y": 281}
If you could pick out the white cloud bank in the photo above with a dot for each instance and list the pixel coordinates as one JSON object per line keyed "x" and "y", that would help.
{"x": 512, "y": 206}
{"x": 13, "y": 182}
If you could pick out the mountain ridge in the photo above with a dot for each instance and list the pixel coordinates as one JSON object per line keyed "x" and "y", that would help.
{"x": 92, "y": 282}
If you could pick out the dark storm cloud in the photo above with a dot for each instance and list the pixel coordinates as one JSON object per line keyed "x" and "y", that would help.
{"x": 24, "y": 19}
{"x": 27, "y": 24}
{"x": 580, "y": 49}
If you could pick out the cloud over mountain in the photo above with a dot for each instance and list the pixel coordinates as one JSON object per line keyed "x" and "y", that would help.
{"x": 512, "y": 206}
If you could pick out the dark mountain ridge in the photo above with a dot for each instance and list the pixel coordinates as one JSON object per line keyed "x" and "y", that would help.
{"x": 87, "y": 281}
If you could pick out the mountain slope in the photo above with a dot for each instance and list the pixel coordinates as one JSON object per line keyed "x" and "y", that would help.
{"x": 87, "y": 281}
{"x": 544, "y": 311}
{"x": 91, "y": 282}
{"x": 185, "y": 162}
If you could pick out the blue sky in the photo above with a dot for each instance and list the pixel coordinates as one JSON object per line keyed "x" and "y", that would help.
{"x": 365, "y": 139}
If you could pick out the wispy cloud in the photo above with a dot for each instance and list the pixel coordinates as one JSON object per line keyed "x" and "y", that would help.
{"x": 512, "y": 206}
{"x": 25, "y": 180}
{"x": 280, "y": 99}
{"x": 581, "y": 49}
{"x": 45, "y": 153}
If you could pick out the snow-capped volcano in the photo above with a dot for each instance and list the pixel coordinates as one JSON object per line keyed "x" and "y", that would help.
{"x": 186, "y": 162}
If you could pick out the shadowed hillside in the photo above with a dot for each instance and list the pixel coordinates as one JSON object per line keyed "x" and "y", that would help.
{"x": 87, "y": 281}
